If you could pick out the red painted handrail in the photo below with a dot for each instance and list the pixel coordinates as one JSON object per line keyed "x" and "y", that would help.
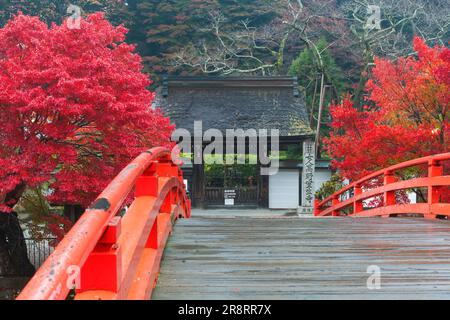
{"x": 436, "y": 182}
{"x": 108, "y": 256}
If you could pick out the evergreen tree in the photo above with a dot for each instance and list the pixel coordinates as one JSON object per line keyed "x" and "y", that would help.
{"x": 307, "y": 68}
{"x": 168, "y": 26}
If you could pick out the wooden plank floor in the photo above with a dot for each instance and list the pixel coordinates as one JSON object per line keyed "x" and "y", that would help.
{"x": 305, "y": 258}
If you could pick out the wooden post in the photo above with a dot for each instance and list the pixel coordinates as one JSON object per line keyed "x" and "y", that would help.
{"x": 103, "y": 269}
{"x": 335, "y": 202}
{"x": 435, "y": 169}
{"x": 319, "y": 118}
{"x": 198, "y": 185}
{"x": 316, "y": 207}
{"x": 357, "y": 204}
{"x": 389, "y": 196}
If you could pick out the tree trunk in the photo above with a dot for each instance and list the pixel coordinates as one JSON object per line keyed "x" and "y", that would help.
{"x": 13, "y": 249}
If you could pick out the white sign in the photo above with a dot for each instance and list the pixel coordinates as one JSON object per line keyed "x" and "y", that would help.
{"x": 229, "y": 196}
{"x": 229, "y": 202}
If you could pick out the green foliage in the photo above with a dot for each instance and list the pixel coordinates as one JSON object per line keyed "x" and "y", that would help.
{"x": 117, "y": 12}
{"x": 259, "y": 12}
{"x": 161, "y": 28}
{"x": 231, "y": 175}
{"x": 34, "y": 203}
{"x": 292, "y": 152}
{"x": 307, "y": 69}
{"x": 55, "y": 11}
{"x": 166, "y": 27}
{"x": 330, "y": 187}
{"x": 48, "y": 10}
{"x": 43, "y": 220}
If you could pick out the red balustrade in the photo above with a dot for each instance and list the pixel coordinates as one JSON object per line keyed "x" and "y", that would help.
{"x": 352, "y": 200}
{"x": 109, "y": 256}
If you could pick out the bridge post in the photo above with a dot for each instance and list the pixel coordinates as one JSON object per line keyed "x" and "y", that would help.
{"x": 389, "y": 196}
{"x": 435, "y": 169}
{"x": 357, "y": 204}
{"x": 335, "y": 202}
{"x": 316, "y": 207}
{"x": 102, "y": 270}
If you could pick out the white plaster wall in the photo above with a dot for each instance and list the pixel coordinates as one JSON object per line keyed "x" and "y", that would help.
{"x": 321, "y": 176}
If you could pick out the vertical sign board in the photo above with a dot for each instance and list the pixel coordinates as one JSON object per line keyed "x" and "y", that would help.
{"x": 309, "y": 164}
{"x": 229, "y": 196}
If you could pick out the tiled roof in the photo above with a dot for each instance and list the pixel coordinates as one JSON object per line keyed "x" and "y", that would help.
{"x": 236, "y": 103}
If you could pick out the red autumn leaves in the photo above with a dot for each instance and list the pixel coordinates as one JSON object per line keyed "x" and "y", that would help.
{"x": 407, "y": 114}
{"x": 74, "y": 107}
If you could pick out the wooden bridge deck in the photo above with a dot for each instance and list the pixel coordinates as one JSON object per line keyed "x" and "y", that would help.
{"x": 309, "y": 258}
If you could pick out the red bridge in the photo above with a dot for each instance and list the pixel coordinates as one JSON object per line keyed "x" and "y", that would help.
{"x": 107, "y": 255}
{"x": 435, "y": 183}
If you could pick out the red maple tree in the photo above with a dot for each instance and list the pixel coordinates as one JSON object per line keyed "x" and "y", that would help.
{"x": 74, "y": 110}
{"x": 407, "y": 114}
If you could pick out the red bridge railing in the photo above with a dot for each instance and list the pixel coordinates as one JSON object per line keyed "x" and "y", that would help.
{"x": 109, "y": 256}
{"x": 352, "y": 200}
